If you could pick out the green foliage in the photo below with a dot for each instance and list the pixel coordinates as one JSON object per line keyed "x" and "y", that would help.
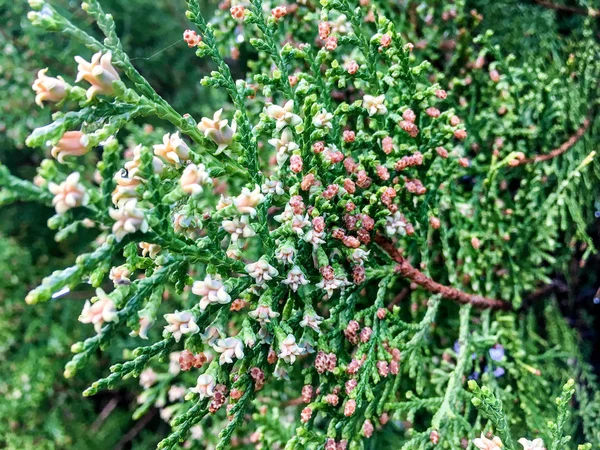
{"x": 425, "y": 155}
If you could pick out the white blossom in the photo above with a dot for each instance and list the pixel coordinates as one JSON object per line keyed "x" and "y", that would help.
{"x": 284, "y": 146}
{"x": 375, "y": 105}
{"x": 128, "y": 219}
{"x": 68, "y": 194}
{"x": 248, "y": 200}
{"x": 272, "y": 186}
{"x": 238, "y": 228}
{"x": 484, "y": 443}
{"x": 395, "y": 224}
{"x": 288, "y": 349}
{"x": 48, "y": 88}
{"x": 284, "y": 115}
{"x": 263, "y": 314}
{"x": 536, "y": 444}
{"x": 224, "y": 202}
{"x": 133, "y": 166}
{"x": 228, "y": 348}
{"x": 212, "y": 290}
{"x": 330, "y": 286}
{"x": 285, "y": 254}
{"x": 314, "y": 237}
{"x": 176, "y": 393}
{"x": 99, "y": 72}
{"x": 261, "y": 271}
{"x": 180, "y": 323}
{"x": 148, "y": 378}
{"x": 218, "y": 130}
{"x": 173, "y": 149}
{"x": 100, "y": 311}
{"x": 323, "y": 120}
{"x": 205, "y": 386}
{"x": 360, "y": 256}
{"x": 295, "y": 278}
{"x": 192, "y": 179}
{"x": 312, "y": 320}
{"x": 119, "y": 275}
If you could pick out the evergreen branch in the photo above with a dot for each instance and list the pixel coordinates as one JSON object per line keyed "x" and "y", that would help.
{"x": 572, "y": 9}
{"x": 559, "y": 150}
{"x": 405, "y": 269}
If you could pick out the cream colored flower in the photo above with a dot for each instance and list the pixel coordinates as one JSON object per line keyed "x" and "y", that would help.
{"x": 285, "y": 254}
{"x": 48, "y": 89}
{"x": 173, "y": 150}
{"x": 149, "y": 249}
{"x": 128, "y": 219}
{"x": 180, "y": 323}
{"x": 212, "y": 290}
{"x": 295, "y": 278}
{"x": 192, "y": 179}
{"x": 284, "y": 146}
{"x": 238, "y": 228}
{"x": 148, "y": 378}
{"x": 205, "y": 386}
{"x": 536, "y": 444}
{"x": 228, "y": 348}
{"x": 248, "y": 200}
{"x": 176, "y": 393}
{"x": 312, "y": 320}
{"x": 119, "y": 275}
{"x": 261, "y": 271}
{"x": 288, "y": 349}
{"x": 100, "y": 311}
{"x": 375, "y": 105}
{"x": 323, "y": 120}
{"x": 284, "y": 115}
{"x": 272, "y": 186}
{"x": 68, "y": 194}
{"x": 126, "y": 188}
{"x": 72, "y": 143}
{"x": 133, "y": 166}
{"x": 218, "y": 130}
{"x": 484, "y": 443}
{"x": 263, "y": 314}
{"x": 100, "y": 73}
{"x": 224, "y": 202}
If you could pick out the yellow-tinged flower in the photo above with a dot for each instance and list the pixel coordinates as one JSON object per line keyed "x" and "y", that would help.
{"x": 218, "y": 130}
{"x": 68, "y": 194}
{"x": 484, "y": 443}
{"x": 72, "y": 143}
{"x": 173, "y": 149}
{"x": 99, "y": 72}
{"x": 48, "y": 89}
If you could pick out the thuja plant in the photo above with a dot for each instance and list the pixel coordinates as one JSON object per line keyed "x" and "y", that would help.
{"x": 325, "y": 261}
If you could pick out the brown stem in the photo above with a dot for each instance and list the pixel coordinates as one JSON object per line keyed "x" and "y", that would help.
{"x": 560, "y": 150}
{"x": 571, "y": 9}
{"x": 405, "y": 269}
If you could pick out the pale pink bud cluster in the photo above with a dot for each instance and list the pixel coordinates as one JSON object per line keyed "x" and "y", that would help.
{"x": 191, "y": 38}
{"x": 279, "y": 12}
{"x": 350, "y": 407}
{"x": 414, "y": 186}
{"x": 237, "y": 11}
{"x": 325, "y": 362}
{"x": 415, "y": 159}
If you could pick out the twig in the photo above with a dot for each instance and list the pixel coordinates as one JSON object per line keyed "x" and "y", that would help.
{"x": 572, "y": 9}
{"x": 405, "y": 269}
{"x": 560, "y": 150}
{"x": 139, "y": 426}
{"x": 106, "y": 411}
